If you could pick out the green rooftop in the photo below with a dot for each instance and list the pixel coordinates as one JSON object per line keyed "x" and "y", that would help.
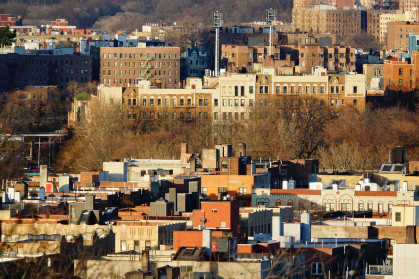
{"x": 83, "y": 96}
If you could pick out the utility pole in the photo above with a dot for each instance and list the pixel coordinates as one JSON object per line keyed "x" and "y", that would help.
{"x": 270, "y": 17}
{"x": 217, "y": 22}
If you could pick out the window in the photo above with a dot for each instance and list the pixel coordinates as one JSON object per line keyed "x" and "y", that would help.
{"x": 369, "y": 206}
{"x": 242, "y": 191}
{"x": 123, "y": 245}
{"x": 166, "y": 102}
{"x": 144, "y": 102}
{"x": 361, "y": 206}
{"x": 236, "y": 91}
{"x": 355, "y": 89}
{"x": 398, "y": 216}
{"x": 307, "y": 89}
{"x": 137, "y": 245}
{"x": 316, "y": 268}
{"x": 261, "y": 89}
{"x": 215, "y": 115}
{"x": 174, "y": 102}
{"x": 205, "y": 102}
{"x": 266, "y": 89}
{"x": 329, "y": 207}
{"x": 400, "y": 71}
{"x": 278, "y": 89}
{"x": 242, "y": 91}
{"x": 250, "y": 89}
{"x": 181, "y": 102}
{"x": 189, "y": 102}
{"x": 322, "y": 89}
{"x": 314, "y": 89}
{"x": 345, "y": 206}
{"x": 236, "y": 102}
{"x": 224, "y": 102}
{"x": 224, "y": 167}
{"x": 204, "y": 191}
{"x": 285, "y": 89}
{"x": 158, "y": 102}
{"x": 151, "y": 102}
{"x": 242, "y": 102}
{"x": 251, "y": 102}
{"x": 215, "y": 102}
{"x": 380, "y": 207}
{"x": 230, "y": 102}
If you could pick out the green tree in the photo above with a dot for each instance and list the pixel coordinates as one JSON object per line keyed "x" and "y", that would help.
{"x": 7, "y": 37}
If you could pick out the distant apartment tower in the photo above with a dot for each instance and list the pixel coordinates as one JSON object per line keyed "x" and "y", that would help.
{"x": 43, "y": 70}
{"x": 408, "y": 5}
{"x": 123, "y": 66}
{"x": 342, "y": 22}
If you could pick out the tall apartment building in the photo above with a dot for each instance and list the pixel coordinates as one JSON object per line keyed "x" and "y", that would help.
{"x": 408, "y": 5}
{"x": 373, "y": 22}
{"x": 17, "y": 71}
{"x": 323, "y": 19}
{"x": 346, "y": 22}
{"x": 398, "y": 34}
{"x": 122, "y": 66}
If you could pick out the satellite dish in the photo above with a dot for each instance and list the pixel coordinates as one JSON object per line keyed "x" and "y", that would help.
{"x": 203, "y": 220}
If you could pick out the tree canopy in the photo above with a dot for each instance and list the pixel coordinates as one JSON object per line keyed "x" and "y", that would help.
{"x": 7, "y": 37}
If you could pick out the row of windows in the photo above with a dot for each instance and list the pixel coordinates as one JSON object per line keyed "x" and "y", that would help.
{"x": 229, "y": 115}
{"x": 238, "y": 90}
{"x": 115, "y": 81}
{"x": 152, "y": 115}
{"x": 133, "y": 102}
{"x": 292, "y": 89}
{"x": 344, "y": 206}
{"x": 140, "y": 55}
{"x": 140, "y": 73}
{"x": 140, "y": 64}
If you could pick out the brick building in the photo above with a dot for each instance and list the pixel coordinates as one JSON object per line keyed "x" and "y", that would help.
{"x": 398, "y": 34}
{"x": 373, "y": 22}
{"x": 341, "y": 22}
{"x": 43, "y": 70}
{"x": 189, "y": 104}
{"x": 8, "y": 20}
{"x": 408, "y": 5}
{"x": 402, "y": 75}
{"x": 121, "y": 66}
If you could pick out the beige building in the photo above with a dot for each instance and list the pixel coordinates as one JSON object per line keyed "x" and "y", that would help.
{"x": 343, "y": 199}
{"x": 405, "y": 215}
{"x": 373, "y": 75}
{"x": 235, "y": 95}
{"x": 385, "y": 19}
{"x": 145, "y": 235}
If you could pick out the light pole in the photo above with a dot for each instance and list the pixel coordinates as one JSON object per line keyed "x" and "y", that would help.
{"x": 270, "y": 17}
{"x": 217, "y": 22}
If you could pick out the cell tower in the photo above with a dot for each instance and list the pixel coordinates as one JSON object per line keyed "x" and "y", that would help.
{"x": 217, "y": 22}
{"x": 270, "y": 17}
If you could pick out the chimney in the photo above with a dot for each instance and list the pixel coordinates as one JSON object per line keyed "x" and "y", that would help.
{"x": 145, "y": 259}
{"x": 242, "y": 149}
{"x": 184, "y": 148}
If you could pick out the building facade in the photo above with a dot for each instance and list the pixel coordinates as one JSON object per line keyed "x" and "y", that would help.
{"x": 123, "y": 66}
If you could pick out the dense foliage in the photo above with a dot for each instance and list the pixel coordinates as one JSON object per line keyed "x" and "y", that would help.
{"x": 111, "y": 15}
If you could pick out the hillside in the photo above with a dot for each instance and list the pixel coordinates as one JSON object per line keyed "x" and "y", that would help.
{"x": 111, "y": 15}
